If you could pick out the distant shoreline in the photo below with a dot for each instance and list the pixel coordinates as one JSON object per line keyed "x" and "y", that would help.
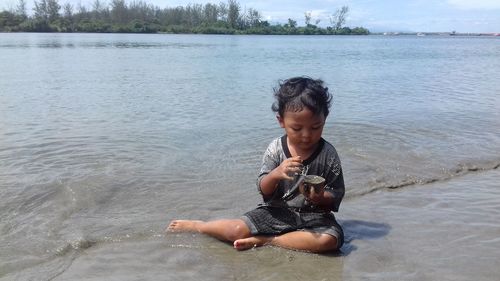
{"x": 419, "y": 34}
{"x": 436, "y": 33}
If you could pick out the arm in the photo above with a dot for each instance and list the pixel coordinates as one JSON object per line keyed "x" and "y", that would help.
{"x": 284, "y": 171}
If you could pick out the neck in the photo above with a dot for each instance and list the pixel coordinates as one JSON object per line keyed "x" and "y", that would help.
{"x": 304, "y": 154}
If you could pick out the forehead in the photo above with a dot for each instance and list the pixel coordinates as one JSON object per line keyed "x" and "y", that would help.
{"x": 304, "y": 116}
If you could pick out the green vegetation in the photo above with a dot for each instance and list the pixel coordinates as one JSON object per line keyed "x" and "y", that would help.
{"x": 141, "y": 17}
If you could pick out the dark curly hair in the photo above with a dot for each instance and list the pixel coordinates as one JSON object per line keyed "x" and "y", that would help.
{"x": 296, "y": 93}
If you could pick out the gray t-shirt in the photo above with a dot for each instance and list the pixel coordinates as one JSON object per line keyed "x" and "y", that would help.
{"x": 323, "y": 162}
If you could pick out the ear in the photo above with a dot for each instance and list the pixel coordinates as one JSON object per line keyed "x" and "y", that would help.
{"x": 281, "y": 121}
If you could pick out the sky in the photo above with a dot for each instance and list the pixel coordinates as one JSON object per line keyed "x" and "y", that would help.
{"x": 462, "y": 16}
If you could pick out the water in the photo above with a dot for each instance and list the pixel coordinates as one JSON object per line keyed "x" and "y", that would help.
{"x": 105, "y": 138}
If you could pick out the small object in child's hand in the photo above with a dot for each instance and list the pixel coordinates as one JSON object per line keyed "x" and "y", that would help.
{"x": 313, "y": 181}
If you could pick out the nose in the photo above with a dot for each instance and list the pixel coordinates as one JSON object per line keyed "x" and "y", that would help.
{"x": 306, "y": 134}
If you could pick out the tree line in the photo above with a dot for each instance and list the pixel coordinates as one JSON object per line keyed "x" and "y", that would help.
{"x": 140, "y": 17}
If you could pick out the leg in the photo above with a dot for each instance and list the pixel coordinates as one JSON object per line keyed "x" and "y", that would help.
{"x": 225, "y": 230}
{"x": 296, "y": 240}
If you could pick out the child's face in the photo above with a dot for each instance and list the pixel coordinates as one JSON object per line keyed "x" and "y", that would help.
{"x": 303, "y": 128}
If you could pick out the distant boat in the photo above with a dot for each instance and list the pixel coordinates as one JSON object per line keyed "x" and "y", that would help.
{"x": 420, "y": 34}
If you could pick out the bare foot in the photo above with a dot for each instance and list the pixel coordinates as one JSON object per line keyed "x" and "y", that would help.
{"x": 184, "y": 226}
{"x": 251, "y": 242}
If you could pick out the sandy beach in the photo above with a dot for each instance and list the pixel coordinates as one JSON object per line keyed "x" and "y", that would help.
{"x": 441, "y": 231}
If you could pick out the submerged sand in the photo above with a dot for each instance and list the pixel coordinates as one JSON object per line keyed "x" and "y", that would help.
{"x": 441, "y": 231}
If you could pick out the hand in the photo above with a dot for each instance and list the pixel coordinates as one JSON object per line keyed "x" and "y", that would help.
{"x": 313, "y": 193}
{"x": 290, "y": 167}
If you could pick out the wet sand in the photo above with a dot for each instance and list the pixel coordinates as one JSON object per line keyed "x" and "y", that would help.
{"x": 441, "y": 231}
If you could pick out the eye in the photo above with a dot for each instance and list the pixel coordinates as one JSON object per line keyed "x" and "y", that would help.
{"x": 317, "y": 127}
{"x": 296, "y": 129}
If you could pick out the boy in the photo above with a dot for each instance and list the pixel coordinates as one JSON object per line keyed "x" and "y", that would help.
{"x": 290, "y": 217}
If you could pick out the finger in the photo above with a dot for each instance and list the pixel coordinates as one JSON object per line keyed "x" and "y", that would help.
{"x": 288, "y": 171}
{"x": 295, "y": 164}
{"x": 293, "y": 169}
{"x": 297, "y": 159}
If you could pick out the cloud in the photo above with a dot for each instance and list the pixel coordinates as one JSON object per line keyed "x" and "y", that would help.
{"x": 475, "y": 5}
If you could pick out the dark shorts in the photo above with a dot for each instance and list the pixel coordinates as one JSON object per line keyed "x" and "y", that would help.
{"x": 266, "y": 220}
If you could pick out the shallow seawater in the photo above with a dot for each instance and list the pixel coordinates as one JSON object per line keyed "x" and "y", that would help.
{"x": 440, "y": 231}
{"x": 105, "y": 138}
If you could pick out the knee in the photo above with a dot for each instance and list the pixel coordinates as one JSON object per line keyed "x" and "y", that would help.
{"x": 327, "y": 243}
{"x": 238, "y": 231}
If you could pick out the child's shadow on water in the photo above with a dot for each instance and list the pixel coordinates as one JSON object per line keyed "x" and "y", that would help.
{"x": 362, "y": 230}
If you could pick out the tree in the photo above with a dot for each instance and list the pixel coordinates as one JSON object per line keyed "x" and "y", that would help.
{"x": 194, "y": 14}
{"x": 222, "y": 11}
{"x": 140, "y": 10}
{"x": 53, "y": 8}
{"x": 233, "y": 13}
{"x": 82, "y": 13}
{"x": 97, "y": 8}
{"x": 139, "y": 16}
{"x": 209, "y": 13}
{"x": 68, "y": 21}
{"x": 9, "y": 21}
{"x": 119, "y": 11}
{"x": 21, "y": 9}
{"x": 253, "y": 17}
{"x": 307, "y": 16}
{"x": 338, "y": 18}
{"x": 40, "y": 10}
{"x": 68, "y": 11}
{"x": 360, "y": 31}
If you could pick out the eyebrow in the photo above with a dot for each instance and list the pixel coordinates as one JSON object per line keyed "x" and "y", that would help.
{"x": 313, "y": 124}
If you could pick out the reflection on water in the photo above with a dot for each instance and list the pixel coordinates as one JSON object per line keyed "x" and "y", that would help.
{"x": 57, "y": 42}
